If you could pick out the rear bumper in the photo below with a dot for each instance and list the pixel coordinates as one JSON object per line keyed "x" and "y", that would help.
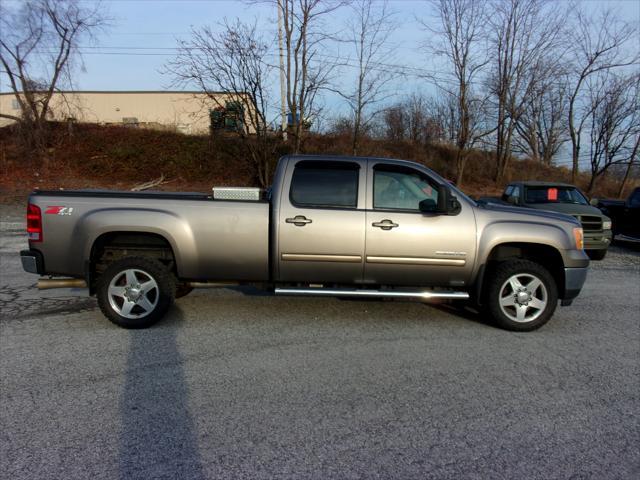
{"x": 32, "y": 261}
{"x": 574, "y": 279}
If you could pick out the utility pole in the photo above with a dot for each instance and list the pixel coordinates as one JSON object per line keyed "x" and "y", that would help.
{"x": 283, "y": 94}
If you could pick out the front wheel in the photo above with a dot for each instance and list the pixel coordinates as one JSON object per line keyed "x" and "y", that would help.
{"x": 521, "y": 295}
{"x": 135, "y": 292}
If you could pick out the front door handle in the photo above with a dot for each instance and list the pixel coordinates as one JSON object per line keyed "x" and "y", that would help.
{"x": 299, "y": 220}
{"x": 385, "y": 224}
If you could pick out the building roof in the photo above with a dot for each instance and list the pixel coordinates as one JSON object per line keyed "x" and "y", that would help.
{"x": 129, "y": 91}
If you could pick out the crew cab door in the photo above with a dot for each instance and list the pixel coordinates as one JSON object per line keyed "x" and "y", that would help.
{"x": 405, "y": 246}
{"x": 321, "y": 221}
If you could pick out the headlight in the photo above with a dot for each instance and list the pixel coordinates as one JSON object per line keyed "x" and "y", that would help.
{"x": 578, "y": 235}
{"x": 606, "y": 225}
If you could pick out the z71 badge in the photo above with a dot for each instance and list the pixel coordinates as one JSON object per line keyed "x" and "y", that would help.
{"x": 58, "y": 210}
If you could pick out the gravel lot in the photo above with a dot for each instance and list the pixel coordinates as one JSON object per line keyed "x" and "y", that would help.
{"x": 235, "y": 384}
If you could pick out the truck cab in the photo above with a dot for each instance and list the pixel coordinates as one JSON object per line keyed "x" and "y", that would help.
{"x": 624, "y": 214}
{"x": 369, "y": 221}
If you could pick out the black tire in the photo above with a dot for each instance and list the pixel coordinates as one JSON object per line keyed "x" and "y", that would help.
{"x": 597, "y": 254}
{"x": 183, "y": 290}
{"x": 497, "y": 288}
{"x": 160, "y": 296}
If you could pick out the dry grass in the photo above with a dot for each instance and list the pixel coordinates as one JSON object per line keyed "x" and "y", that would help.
{"x": 119, "y": 158}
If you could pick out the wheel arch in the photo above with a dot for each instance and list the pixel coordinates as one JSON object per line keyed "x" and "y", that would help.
{"x": 140, "y": 243}
{"x": 140, "y": 221}
{"x": 546, "y": 255}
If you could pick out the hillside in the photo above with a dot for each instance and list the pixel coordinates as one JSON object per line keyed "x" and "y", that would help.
{"x": 95, "y": 156}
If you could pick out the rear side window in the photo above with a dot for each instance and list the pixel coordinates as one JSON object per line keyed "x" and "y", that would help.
{"x": 325, "y": 184}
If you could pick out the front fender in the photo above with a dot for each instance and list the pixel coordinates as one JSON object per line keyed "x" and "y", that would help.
{"x": 510, "y": 231}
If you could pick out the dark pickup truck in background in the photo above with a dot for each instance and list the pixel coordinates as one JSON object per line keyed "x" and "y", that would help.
{"x": 562, "y": 198}
{"x": 624, "y": 215}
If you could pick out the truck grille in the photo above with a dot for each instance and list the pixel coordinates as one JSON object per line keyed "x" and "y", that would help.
{"x": 590, "y": 223}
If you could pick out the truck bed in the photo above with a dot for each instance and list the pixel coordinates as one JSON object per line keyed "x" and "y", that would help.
{"x": 210, "y": 239}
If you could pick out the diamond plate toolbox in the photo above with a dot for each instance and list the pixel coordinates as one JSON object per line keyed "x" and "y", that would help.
{"x": 237, "y": 193}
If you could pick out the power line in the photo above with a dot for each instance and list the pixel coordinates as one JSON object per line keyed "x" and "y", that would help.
{"x": 390, "y": 68}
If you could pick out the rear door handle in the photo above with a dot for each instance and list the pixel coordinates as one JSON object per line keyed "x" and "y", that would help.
{"x": 385, "y": 224}
{"x": 299, "y": 220}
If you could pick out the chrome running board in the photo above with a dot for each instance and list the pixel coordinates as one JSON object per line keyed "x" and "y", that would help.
{"x": 335, "y": 292}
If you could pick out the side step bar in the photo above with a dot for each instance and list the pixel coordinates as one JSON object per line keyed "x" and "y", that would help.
{"x": 334, "y": 292}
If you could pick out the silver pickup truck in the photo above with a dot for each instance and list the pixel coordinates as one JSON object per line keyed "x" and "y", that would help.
{"x": 332, "y": 226}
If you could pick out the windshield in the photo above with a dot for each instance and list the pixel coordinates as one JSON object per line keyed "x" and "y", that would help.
{"x": 555, "y": 195}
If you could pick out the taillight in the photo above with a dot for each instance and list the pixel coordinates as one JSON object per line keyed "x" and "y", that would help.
{"x": 34, "y": 223}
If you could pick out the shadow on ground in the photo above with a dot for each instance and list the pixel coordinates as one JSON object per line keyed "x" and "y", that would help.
{"x": 158, "y": 438}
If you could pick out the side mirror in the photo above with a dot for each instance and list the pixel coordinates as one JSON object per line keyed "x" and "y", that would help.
{"x": 428, "y": 205}
{"x": 594, "y": 202}
{"x": 446, "y": 205}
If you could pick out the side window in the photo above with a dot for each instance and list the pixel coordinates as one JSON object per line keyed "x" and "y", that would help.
{"x": 325, "y": 184}
{"x": 635, "y": 199}
{"x": 516, "y": 192}
{"x": 398, "y": 188}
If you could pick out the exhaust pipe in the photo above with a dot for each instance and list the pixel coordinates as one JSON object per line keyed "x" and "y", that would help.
{"x": 47, "y": 283}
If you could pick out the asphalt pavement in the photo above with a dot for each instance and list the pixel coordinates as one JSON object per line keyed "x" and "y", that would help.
{"x": 239, "y": 384}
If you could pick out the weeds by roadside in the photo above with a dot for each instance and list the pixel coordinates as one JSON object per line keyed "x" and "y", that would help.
{"x": 119, "y": 157}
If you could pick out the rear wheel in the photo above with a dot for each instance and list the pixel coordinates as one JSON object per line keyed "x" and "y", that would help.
{"x": 597, "y": 254}
{"x": 135, "y": 292}
{"x": 521, "y": 295}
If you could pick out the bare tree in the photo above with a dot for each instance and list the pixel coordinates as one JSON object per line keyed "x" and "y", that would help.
{"x": 417, "y": 119}
{"x": 600, "y": 45}
{"x": 460, "y": 38}
{"x": 524, "y": 32}
{"x": 394, "y": 120}
{"x": 341, "y": 125}
{"x": 38, "y": 44}
{"x": 370, "y": 27}
{"x": 305, "y": 73}
{"x": 541, "y": 127}
{"x": 443, "y": 113}
{"x": 232, "y": 62}
{"x": 614, "y": 124}
{"x": 420, "y": 120}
